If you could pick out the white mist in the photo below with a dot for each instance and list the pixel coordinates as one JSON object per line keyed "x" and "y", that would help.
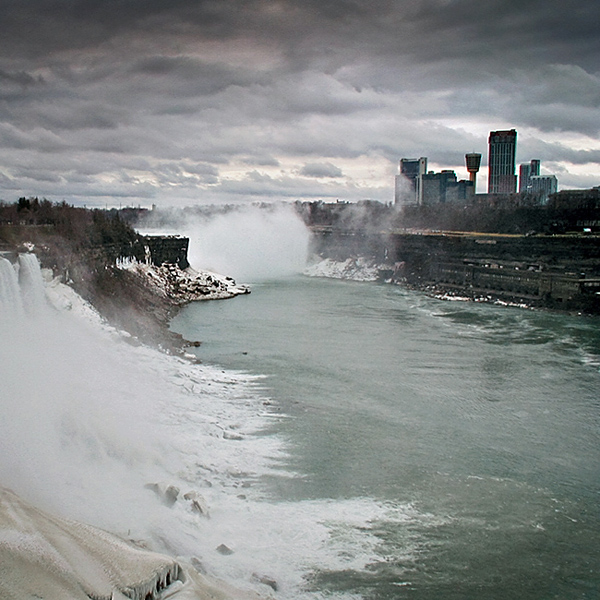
{"x": 250, "y": 244}
{"x": 75, "y": 409}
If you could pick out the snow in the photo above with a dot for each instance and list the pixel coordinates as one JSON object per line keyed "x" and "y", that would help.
{"x": 65, "y": 299}
{"x": 355, "y": 269}
{"x": 43, "y": 556}
{"x": 185, "y": 285}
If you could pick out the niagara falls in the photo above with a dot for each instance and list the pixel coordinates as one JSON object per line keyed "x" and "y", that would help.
{"x": 325, "y": 435}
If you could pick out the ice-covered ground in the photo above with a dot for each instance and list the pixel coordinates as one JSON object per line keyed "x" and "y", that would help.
{"x": 355, "y": 269}
{"x": 185, "y": 285}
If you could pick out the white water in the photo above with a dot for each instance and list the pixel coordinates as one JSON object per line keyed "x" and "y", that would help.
{"x": 11, "y": 303}
{"x": 87, "y": 420}
{"x": 31, "y": 284}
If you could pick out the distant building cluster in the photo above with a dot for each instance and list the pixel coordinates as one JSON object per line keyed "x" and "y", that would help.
{"x": 429, "y": 187}
{"x": 417, "y": 186}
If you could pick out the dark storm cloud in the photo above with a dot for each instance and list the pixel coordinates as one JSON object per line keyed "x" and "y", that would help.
{"x": 188, "y": 89}
{"x": 424, "y": 30}
{"x": 186, "y": 76}
{"x": 21, "y": 78}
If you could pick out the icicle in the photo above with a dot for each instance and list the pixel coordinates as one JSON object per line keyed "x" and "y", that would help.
{"x": 152, "y": 589}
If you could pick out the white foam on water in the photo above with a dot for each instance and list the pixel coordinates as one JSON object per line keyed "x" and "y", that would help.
{"x": 88, "y": 420}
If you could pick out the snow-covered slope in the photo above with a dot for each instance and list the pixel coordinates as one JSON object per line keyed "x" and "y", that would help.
{"x": 186, "y": 285}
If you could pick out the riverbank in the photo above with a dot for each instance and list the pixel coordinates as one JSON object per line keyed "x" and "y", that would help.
{"x": 150, "y": 295}
{"x": 555, "y": 272}
{"x": 368, "y": 270}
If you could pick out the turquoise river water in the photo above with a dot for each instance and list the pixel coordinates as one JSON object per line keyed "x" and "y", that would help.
{"x": 474, "y": 429}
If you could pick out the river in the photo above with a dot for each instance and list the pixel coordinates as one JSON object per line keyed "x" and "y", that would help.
{"x": 448, "y": 449}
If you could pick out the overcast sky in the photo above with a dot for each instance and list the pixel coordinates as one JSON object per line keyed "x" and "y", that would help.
{"x": 175, "y": 102}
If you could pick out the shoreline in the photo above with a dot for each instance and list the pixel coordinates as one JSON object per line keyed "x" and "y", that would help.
{"x": 172, "y": 288}
{"x": 363, "y": 269}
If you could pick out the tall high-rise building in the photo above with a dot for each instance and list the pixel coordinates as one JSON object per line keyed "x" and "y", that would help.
{"x": 524, "y": 177}
{"x": 410, "y": 169}
{"x": 443, "y": 188}
{"x": 501, "y": 162}
{"x": 526, "y": 172}
{"x": 544, "y": 185}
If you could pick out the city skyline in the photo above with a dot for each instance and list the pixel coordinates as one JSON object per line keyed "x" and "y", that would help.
{"x": 139, "y": 103}
{"x": 415, "y": 183}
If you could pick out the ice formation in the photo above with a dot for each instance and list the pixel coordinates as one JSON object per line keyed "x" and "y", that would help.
{"x": 43, "y": 556}
{"x": 355, "y": 269}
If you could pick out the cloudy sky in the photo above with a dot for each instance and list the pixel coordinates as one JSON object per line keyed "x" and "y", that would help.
{"x": 175, "y": 102}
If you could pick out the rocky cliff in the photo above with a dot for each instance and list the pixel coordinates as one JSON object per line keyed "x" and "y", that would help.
{"x": 552, "y": 271}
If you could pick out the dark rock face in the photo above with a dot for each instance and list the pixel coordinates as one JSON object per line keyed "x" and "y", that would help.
{"x": 559, "y": 272}
{"x": 127, "y": 301}
{"x": 167, "y": 249}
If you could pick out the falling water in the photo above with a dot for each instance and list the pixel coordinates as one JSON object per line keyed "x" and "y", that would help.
{"x": 10, "y": 297}
{"x": 31, "y": 284}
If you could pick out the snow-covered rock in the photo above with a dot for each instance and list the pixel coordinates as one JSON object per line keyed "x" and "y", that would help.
{"x": 185, "y": 285}
{"x": 43, "y": 556}
{"x": 356, "y": 269}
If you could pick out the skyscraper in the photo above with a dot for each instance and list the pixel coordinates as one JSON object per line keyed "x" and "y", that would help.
{"x": 411, "y": 169}
{"x": 526, "y": 172}
{"x": 501, "y": 162}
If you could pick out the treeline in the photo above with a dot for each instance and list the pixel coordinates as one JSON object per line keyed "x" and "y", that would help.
{"x": 74, "y": 229}
{"x": 485, "y": 217}
{"x": 81, "y": 246}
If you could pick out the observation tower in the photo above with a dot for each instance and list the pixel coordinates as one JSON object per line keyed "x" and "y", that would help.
{"x": 473, "y": 163}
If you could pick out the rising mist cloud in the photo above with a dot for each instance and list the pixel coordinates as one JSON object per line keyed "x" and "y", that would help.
{"x": 250, "y": 244}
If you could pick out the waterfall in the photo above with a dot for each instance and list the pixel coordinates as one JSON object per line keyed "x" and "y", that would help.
{"x": 21, "y": 288}
{"x": 11, "y": 304}
{"x": 31, "y": 284}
